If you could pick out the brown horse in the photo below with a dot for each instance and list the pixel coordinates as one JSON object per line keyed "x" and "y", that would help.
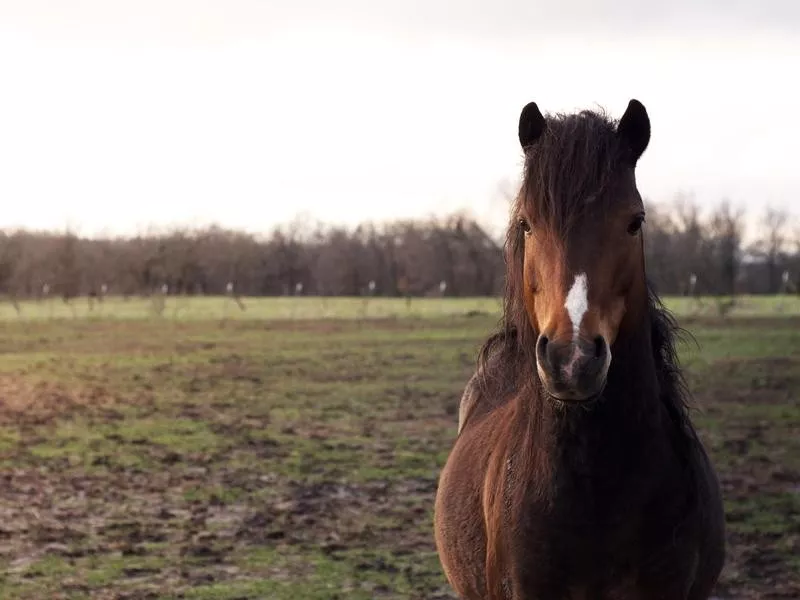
{"x": 576, "y": 472}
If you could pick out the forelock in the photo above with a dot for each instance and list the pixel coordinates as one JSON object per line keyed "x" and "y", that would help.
{"x": 570, "y": 167}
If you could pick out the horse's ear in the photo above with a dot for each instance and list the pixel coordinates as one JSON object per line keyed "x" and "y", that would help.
{"x": 531, "y": 125}
{"x": 634, "y": 129}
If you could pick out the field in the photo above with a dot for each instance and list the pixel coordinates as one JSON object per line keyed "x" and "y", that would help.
{"x": 292, "y": 450}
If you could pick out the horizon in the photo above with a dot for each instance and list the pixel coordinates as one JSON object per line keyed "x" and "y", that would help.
{"x": 118, "y": 119}
{"x": 753, "y": 232}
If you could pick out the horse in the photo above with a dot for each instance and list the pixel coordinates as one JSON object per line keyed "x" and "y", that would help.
{"x": 576, "y": 471}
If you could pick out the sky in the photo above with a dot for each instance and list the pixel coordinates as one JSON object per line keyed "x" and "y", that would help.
{"x": 117, "y": 116}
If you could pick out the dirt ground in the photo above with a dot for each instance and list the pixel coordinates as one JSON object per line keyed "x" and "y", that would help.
{"x": 251, "y": 460}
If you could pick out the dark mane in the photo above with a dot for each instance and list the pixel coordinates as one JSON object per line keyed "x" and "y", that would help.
{"x": 577, "y": 157}
{"x": 574, "y": 160}
{"x": 664, "y": 332}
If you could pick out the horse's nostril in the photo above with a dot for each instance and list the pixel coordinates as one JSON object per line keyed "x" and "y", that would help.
{"x": 541, "y": 348}
{"x": 599, "y": 347}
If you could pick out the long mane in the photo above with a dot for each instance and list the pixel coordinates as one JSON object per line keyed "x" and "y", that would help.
{"x": 578, "y": 156}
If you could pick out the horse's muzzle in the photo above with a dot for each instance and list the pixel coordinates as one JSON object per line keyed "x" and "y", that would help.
{"x": 575, "y": 369}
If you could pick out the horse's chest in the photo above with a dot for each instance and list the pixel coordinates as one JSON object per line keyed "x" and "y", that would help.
{"x": 584, "y": 524}
{"x": 590, "y": 532}
{"x": 554, "y": 548}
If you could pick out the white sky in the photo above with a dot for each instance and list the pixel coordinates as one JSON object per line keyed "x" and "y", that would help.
{"x": 118, "y": 115}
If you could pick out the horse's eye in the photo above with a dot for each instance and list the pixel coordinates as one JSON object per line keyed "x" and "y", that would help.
{"x": 636, "y": 224}
{"x": 525, "y": 226}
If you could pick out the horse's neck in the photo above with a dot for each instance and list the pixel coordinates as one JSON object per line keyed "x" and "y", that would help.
{"x": 632, "y": 382}
{"x": 629, "y": 410}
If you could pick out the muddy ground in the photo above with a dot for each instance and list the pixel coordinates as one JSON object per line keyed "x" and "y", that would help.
{"x": 251, "y": 460}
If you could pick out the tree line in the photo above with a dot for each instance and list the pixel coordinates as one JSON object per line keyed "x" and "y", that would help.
{"x": 687, "y": 252}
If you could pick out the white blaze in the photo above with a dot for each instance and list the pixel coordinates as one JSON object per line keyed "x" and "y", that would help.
{"x": 577, "y": 302}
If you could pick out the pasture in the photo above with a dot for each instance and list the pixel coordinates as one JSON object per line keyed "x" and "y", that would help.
{"x": 291, "y": 450}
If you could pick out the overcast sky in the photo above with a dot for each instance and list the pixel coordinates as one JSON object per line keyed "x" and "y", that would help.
{"x": 117, "y": 115}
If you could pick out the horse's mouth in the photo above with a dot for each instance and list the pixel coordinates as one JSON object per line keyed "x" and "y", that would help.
{"x": 571, "y": 398}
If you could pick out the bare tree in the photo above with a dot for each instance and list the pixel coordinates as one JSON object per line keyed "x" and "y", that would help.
{"x": 68, "y": 272}
{"x": 725, "y": 237}
{"x": 403, "y": 258}
{"x": 774, "y": 237}
{"x": 9, "y": 256}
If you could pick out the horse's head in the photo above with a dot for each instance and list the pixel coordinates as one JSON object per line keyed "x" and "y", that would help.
{"x": 575, "y": 243}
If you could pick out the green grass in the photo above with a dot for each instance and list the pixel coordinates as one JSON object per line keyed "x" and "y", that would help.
{"x": 314, "y": 307}
{"x": 261, "y": 458}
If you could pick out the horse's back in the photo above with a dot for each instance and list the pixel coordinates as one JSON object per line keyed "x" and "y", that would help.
{"x": 479, "y": 398}
{"x": 471, "y": 400}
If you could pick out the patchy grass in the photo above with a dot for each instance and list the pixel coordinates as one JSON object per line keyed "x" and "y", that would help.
{"x": 249, "y": 458}
{"x": 288, "y": 308}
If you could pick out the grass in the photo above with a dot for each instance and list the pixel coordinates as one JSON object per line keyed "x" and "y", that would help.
{"x": 255, "y": 457}
{"x": 313, "y": 307}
